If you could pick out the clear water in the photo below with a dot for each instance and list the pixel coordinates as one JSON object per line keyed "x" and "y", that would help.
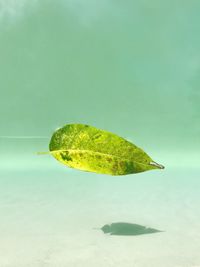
{"x": 131, "y": 68}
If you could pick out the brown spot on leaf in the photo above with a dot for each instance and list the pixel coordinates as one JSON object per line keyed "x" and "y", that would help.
{"x": 66, "y": 157}
{"x": 109, "y": 159}
{"x": 122, "y": 164}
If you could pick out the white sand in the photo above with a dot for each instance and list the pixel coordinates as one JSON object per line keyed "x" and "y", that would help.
{"x": 48, "y": 216}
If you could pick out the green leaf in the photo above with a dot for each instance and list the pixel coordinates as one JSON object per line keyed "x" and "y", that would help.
{"x": 90, "y": 149}
{"x": 122, "y": 228}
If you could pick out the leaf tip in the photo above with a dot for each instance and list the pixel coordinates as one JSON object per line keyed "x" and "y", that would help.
{"x": 159, "y": 166}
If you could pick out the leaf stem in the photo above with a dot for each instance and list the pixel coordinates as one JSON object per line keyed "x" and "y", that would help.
{"x": 43, "y": 153}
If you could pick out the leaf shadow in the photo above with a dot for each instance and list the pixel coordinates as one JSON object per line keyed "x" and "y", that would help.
{"x": 127, "y": 229}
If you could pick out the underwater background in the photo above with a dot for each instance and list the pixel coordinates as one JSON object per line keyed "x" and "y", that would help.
{"x": 129, "y": 67}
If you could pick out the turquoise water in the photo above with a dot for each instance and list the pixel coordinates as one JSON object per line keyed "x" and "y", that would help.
{"x": 128, "y": 67}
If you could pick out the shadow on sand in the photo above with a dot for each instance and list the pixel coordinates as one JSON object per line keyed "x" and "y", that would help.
{"x": 122, "y": 228}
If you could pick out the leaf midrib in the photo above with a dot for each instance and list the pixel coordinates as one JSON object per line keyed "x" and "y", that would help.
{"x": 96, "y": 152}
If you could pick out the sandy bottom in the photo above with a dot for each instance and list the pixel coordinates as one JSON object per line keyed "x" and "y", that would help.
{"x": 48, "y": 218}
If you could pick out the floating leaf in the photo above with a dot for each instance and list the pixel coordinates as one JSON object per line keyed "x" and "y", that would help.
{"x": 90, "y": 149}
{"x": 121, "y": 228}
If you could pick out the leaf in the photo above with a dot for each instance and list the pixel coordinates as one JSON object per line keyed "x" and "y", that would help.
{"x": 90, "y": 149}
{"x": 122, "y": 228}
